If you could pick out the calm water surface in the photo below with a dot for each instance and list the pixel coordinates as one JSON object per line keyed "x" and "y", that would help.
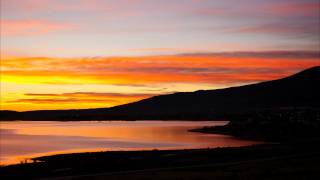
{"x": 26, "y": 139}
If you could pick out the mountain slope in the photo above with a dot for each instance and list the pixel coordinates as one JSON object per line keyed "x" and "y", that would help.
{"x": 295, "y": 91}
{"x": 299, "y": 90}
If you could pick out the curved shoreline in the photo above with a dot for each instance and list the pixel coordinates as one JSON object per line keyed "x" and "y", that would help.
{"x": 78, "y": 164}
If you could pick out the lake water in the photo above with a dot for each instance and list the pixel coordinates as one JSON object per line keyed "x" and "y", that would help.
{"x": 26, "y": 139}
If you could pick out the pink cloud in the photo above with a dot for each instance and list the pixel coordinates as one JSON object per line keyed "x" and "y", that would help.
{"x": 45, "y": 5}
{"x": 122, "y": 7}
{"x": 271, "y": 28}
{"x": 300, "y": 9}
{"x": 211, "y": 11}
{"x": 279, "y": 29}
{"x": 32, "y": 27}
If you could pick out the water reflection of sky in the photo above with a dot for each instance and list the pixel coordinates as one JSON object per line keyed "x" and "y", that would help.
{"x": 26, "y": 139}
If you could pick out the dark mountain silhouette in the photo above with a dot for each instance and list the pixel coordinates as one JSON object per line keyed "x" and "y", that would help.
{"x": 300, "y": 90}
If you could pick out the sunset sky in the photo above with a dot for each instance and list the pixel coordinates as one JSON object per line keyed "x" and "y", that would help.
{"x": 70, "y": 54}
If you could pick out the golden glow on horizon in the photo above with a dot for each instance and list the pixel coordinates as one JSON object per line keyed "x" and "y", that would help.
{"x": 58, "y": 83}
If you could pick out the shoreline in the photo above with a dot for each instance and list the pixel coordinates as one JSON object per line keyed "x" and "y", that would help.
{"x": 296, "y": 153}
{"x": 79, "y": 164}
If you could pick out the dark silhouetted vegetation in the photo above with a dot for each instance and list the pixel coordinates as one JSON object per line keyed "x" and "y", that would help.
{"x": 272, "y": 125}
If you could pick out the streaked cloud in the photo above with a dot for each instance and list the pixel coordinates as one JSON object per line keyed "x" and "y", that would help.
{"x": 301, "y": 8}
{"x": 82, "y": 97}
{"x": 280, "y": 29}
{"x": 299, "y": 55}
{"x": 65, "y": 100}
{"x": 216, "y": 68}
{"x": 32, "y": 27}
{"x": 91, "y": 94}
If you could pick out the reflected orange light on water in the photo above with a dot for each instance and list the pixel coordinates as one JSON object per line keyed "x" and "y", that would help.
{"x": 21, "y": 140}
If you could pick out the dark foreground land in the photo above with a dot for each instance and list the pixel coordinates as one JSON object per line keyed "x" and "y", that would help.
{"x": 294, "y": 160}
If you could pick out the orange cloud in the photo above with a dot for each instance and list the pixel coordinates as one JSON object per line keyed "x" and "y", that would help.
{"x": 208, "y": 68}
{"x": 83, "y": 97}
{"x": 66, "y": 100}
{"x": 92, "y": 95}
{"x": 32, "y": 27}
{"x": 190, "y": 70}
